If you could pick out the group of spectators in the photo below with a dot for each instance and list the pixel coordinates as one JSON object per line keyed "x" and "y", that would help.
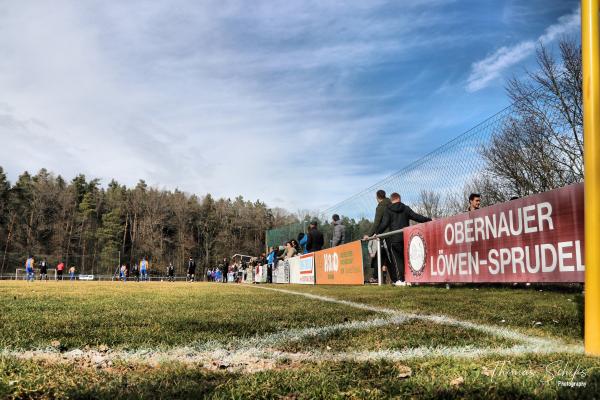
{"x": 305, "y": 243}
{"x": 310, "y": 242}
{"x": 233, "y": 270}
{"x": 390, "y": 215}
{"x": 393, "y": 215}
{"x": 140, "y": 271}
{"x": 214, "y": 275}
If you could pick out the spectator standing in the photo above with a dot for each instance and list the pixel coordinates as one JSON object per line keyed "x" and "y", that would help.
{"x": 315, "y": 239}
{"x": 269, "y": 268}
{"x": 225, "y": 269}
{"x": 302, "y": 239}
{"x": 271, "y": 261}
{"x": 29, "y": 269}
{"x": 474, "y": 202}
{"x": 382, "y": 203}
{"x": 271, "y": 256}
{"x": 191, "y": 270}
{"x": 171, "y": 272}
{"x": 398, "y": 216}
{"x": 59, "y": 270}
{"x": 72, "y": 273}
{"x": 372, "y": 249}
{"x": 339, "y": 231}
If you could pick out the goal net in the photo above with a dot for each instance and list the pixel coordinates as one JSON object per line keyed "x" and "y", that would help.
{"x": 21, "y": 274}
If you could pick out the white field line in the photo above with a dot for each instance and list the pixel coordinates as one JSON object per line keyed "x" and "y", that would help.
{"x": 295, "y": 335}
{"x": 439, "y": 351}
{"x": 257, "y": 353}
{"x": 438, "y": 319}
{"x": 254, "y": 359}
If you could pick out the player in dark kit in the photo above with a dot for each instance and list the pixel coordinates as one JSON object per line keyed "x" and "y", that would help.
{"x": 44, "y": 270}
{"x": 191, "y": 271}
{"x": 135, "y": 272}
{"x": 171, "y": 272}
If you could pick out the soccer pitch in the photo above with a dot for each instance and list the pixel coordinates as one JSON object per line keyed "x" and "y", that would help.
{"x": 194, "y": 340}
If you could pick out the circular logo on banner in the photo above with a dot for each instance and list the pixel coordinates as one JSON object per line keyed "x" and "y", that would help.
{"x": 417, "y": 253}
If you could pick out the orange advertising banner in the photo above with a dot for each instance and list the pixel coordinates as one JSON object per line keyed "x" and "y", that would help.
{"x": 341, "y": 265}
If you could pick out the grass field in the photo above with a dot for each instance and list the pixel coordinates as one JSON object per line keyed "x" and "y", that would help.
{"x": 177, "y": 340}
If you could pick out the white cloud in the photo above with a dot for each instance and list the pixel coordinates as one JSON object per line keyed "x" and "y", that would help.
{"x": 485, "y": 71}
{"x": 174, "y": 94}
{"x": 490, "y": 68}
{"x": 230, "y": 98}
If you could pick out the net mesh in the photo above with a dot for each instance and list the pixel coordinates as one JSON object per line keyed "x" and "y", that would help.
{"x": 439, "y": 183}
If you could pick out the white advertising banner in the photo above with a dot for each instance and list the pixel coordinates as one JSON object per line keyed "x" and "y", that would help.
{"x": 281, "y": 272}
{"x": 302, "y": 269}
{"x": 260, "y": 275}
{"x": 249, "y": 275}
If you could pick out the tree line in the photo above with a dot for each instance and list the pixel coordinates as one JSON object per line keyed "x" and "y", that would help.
{"x": 94, "y": 228}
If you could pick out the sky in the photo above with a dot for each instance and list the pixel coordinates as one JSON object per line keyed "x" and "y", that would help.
{"x": 300, "y": 104}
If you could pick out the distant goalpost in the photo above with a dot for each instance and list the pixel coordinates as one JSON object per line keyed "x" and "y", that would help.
{"x": 20, "y": 274}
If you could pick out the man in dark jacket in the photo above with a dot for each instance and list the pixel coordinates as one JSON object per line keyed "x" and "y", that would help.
{"x": 191, "y": 270}
{"x": 382, "y": 204}
{"x": 225, "y": 269}
{"x": 398, "y": 216}
{"x": 135, "y": 272}
{"x": 315, "y": 238}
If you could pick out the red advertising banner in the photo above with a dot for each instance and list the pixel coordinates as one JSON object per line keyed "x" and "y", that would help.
{"x": 539, "y": 238}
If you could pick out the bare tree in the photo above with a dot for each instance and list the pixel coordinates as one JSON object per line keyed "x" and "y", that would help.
{"x": 540, "y": 147}
{"x": 429, "y": 204}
